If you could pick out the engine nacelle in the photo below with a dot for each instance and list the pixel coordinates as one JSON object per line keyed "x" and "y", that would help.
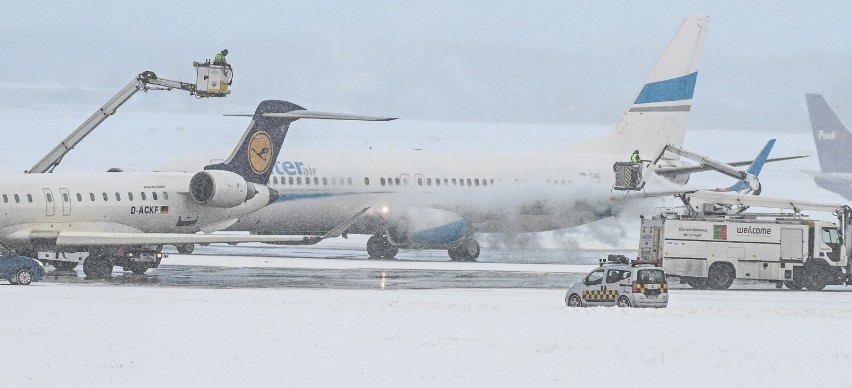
{"x": 426, "y": 228}
{"x": 220, "y": 188}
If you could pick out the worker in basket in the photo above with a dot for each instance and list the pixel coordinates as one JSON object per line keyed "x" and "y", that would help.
{"x": 220, "y": 58}
{"x": 634, "y": 157}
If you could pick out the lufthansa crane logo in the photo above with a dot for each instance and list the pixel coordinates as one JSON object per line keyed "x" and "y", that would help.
{"x": 260, "y": 152}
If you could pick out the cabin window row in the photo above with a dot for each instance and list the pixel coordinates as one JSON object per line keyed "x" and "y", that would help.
{"x": 316, "y": 181}
{"x": 49, "y": 197}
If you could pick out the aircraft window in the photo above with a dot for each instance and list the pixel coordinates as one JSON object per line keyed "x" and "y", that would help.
{"x": 446, "y": 182}
{"x": 348, "y": 181}
{"x": 382, "y": 180}
{"x": 420, "y": 181}
{"x": 143, "y": 196}
{"x": 165, "y": 196}
{"x": 562, "y": 181}
{"x": 283, "y": 180}
{"x": 79, "y": 197}
{"x": 5, "y": 198}
{"x": 316, "y": 181}
{"x": 324, "y": 181}
{"x": 117, "y": 197}
{"x": 485, "y": 182}
{"x": 92, "y": 197}
{"x": 437, "y": 181}
{"x": 154, "y": 195}
{"x": 298, "y": 180}
{"x": 17, "y": 199}
{"x": 475, "y": 181}
{"x": 366, "y": 181}
{"x": 290, "y": 180}
{"x": 129, "y": 196}
{"x": 307, "y": 181}
{"x": 334, "y": 181}
{"x": 275, "y": 180}
{"x": 105, "y": 197}
{"x": 492, "y": 182}
{"x": 405, "y": 181}
{"x": 396, "y": 181}
{"x": 454, "y": 181}
{"x": 428, "y": 181}
{"x": 49, "y": 197}
{"x": 65, "y": 197}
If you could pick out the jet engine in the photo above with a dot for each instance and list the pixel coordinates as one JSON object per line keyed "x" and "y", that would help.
{"x": 220, "y": 189}
{"x": 426, "y": 228}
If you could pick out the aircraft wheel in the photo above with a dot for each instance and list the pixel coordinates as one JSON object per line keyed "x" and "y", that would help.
{"x": 136, "y": 267}
{"x": 468, "y": 250}
{"x": 378, "y": 247}
{"x": 97, "y": 267}
{"x": 185, "y": 248}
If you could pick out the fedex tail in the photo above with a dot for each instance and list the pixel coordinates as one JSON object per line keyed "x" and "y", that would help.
{"x": 833, "y": 140}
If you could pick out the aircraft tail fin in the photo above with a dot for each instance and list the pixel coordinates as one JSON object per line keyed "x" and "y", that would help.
{"x": 659, "y": 113}
{"x": 258, "y": 149}
{"x": 833, "y": 140}
{"x": 754, "y": 169}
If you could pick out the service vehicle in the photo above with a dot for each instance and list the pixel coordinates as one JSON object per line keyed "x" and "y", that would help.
{"x": 708, "y": 246}
{"x": 623, "y": 283}
{"x": 18, "y": 269}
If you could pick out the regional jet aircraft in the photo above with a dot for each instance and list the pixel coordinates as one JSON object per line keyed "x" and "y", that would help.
{"x": 834, "y": 147}
{"x": 123, "y": 218}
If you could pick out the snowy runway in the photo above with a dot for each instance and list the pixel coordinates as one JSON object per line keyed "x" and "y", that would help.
{"x": 107, "y": 335}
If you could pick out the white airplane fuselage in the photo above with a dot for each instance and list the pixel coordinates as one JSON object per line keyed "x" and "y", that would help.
{"x": 119, "y": 202}
{"x": 493, "y": 191}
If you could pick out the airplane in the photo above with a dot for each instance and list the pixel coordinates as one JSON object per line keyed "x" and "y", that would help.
{"x": 123, "y": 218}
{"x": 437, "y": 200}
{"x": 833, "y": 143}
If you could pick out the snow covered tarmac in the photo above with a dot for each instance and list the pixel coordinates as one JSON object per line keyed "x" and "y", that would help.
{"x": 108, "y": 335}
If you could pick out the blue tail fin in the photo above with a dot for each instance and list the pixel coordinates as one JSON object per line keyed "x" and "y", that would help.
{"x": 833, "y": 140}
{"x": 755, "y": 167}
{"x": 255, "y": 155}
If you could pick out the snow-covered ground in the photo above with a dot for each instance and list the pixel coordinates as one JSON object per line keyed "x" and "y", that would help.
{"x": 101, "y": 335}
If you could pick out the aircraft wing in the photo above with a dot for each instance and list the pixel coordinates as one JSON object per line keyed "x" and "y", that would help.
{"x": 86, "y": 238}
{"x": 700, "y": 167}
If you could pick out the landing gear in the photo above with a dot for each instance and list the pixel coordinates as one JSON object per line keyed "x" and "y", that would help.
{"x": 468, "y": 250}
{"x": 64, "y": 265}
{"x": 378, "y": 247}
{"x": 97, "y": 266}
{"x": 185, "y": 248}
{"x": 136, "y": 267}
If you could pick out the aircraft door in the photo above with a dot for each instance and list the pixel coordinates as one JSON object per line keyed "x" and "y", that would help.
{"x": 66, "y": 201}
{"x": 50, "y": 206}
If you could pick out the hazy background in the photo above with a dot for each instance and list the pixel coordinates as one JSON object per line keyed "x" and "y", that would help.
{"x": 483, "y": 61}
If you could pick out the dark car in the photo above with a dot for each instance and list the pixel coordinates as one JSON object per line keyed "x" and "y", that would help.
{"x": 19, "y": 269}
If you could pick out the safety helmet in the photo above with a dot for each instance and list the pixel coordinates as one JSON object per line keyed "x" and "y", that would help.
{"x": 225, "y": 52}
{"x": 636, "y": 152}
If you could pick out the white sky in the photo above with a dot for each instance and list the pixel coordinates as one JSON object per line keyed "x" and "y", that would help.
{"x": 485, "y": 61}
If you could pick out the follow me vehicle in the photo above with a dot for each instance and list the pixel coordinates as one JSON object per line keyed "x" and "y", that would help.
{"x": 19, "y": 269}
{"x": 621, "y": 283}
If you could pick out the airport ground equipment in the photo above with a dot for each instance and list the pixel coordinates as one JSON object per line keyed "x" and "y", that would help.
{"x": 211, "y": 81}
{"x": 622, "y": 283}
{"x": 631, "y": 175}
{"x": 707, "y": 247}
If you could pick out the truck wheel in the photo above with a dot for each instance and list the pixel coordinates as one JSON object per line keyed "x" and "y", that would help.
{"x": 814, "y": 281}
{"x": 720, "y": 276}
{"x": 97, "y": 267}
{"x": 794, "y": 285}
{"x": 24, "y": 277}
{"x": 137, "y": 268}
{"x": 697, "y": 283}
{"x": 623, "y": 302}
{"x": 574, "y": 301}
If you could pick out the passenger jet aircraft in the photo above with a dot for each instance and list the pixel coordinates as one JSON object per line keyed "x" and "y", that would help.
{"x": 437, "y": 200}
{"x": 123, "y": 218}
